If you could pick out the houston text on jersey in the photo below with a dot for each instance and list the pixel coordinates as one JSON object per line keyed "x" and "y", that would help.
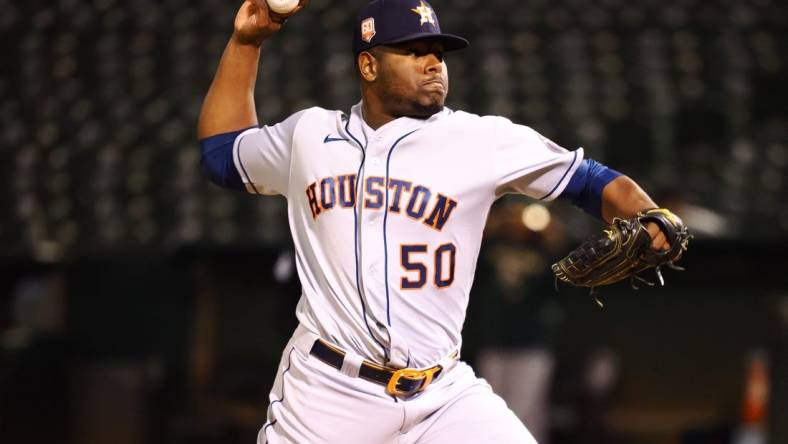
{"x": 434, "y": 209}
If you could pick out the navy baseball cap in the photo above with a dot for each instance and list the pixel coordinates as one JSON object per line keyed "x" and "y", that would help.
{"x": 385, "y": 22}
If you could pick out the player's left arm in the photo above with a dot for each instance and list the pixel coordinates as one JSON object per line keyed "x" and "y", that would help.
{"x": 608, "y": 194}
{"x": 542, "y": 169}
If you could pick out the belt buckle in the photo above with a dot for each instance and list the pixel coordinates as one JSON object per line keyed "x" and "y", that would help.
{"x": 423, "y": 377}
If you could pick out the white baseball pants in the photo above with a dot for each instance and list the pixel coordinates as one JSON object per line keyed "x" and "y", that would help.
{"x": 312, "y": 402}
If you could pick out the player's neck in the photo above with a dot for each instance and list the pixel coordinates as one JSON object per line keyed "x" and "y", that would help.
{"x": 374, "y": 115}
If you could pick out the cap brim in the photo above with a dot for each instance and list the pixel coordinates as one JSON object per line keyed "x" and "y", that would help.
{"x": 450, "y": 42}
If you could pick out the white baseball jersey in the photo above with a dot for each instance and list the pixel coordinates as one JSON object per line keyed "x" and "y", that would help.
{"x": 387, "y": 223}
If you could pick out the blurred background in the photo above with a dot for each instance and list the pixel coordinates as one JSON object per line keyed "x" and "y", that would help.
{"x": 141, "y": 304}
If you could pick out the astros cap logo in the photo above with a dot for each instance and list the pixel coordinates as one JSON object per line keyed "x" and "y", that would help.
{"x": 425, "y": 12}
{"x": 368, "y": 29}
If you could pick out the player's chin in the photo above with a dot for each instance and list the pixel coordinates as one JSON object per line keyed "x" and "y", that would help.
{"x": 429, "y": 104}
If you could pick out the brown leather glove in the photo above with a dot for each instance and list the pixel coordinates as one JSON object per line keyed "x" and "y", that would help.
{"x": 623, "y": 250}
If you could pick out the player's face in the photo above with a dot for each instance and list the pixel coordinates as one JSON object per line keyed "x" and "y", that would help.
{"x": 412, "y": 78}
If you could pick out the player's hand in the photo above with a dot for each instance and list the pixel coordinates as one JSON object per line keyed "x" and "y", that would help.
{"x": 658, "y": 239}
{"x": 255, "y": 22}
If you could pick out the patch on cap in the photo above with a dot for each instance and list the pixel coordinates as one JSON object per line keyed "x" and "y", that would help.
{"x": 368, "y": 29}
{"x": 425, "y": 12}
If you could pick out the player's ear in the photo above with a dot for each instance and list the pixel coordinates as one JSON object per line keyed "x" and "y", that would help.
{"x": 367, "y": 66}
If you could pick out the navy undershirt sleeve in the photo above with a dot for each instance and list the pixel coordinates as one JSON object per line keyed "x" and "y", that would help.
{"x": 585, "y": 187}
{"x": 217, "y": 160}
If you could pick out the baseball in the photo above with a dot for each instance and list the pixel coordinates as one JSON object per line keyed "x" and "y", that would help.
{"x": 282, "y": 6}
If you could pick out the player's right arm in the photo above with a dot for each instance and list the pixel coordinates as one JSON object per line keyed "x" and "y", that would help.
{"x": 235, "y": 153}
{"x": 229, "y": 104}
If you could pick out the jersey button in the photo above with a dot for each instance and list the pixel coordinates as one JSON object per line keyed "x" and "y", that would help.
{"x": 375, "y": 161}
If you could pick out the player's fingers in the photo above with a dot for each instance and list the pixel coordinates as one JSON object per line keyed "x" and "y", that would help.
{"x": 278, "y": 19}
{"x": 244, "y": 15}
{"x": 658, "y": 239}
{"x": 660, "y": 242}
{"x": 301, "y": 5}
{"x": 255, "y": 22}
{"x": 653, "y": 229}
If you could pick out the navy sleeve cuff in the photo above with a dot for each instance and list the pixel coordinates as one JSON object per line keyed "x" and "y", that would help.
{"x": 217, "y": 160}
{"x": 585, "y": 187}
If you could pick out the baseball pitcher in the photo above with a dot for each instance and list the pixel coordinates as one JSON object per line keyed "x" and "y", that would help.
{"x": 386, "y": 205}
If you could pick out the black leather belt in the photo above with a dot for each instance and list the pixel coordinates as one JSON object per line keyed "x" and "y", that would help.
{"x": 398, "y": 382}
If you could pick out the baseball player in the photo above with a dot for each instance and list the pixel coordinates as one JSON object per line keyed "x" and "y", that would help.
{"x": 386, "y": 206}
